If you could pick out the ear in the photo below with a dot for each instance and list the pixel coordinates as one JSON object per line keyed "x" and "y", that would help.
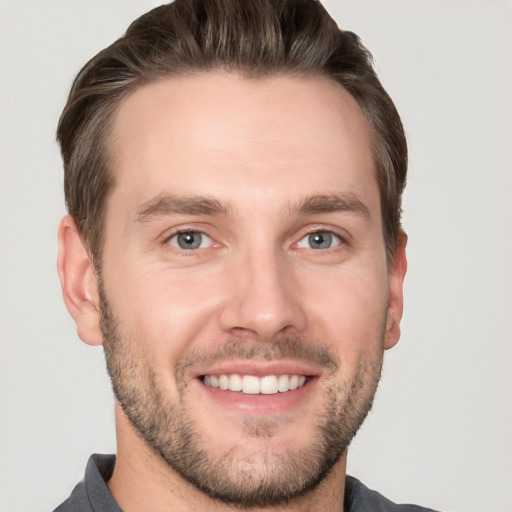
{"x": 79, "y": 282}
{"x": 395, "y": 293}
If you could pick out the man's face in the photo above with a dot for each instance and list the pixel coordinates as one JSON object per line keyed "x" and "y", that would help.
{"x": 244, "y": 249}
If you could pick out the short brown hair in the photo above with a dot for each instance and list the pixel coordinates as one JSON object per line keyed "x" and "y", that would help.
{"x": 251, "y": 37}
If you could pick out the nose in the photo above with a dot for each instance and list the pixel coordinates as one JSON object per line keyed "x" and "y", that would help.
{"x": 263, "y": 299}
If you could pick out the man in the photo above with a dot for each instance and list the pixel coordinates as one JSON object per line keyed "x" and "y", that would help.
{"x": 233, "y": 175}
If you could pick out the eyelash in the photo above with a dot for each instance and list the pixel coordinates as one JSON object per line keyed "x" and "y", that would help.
{"x": 341, "y": 240}
{"x": 186, "y": 252}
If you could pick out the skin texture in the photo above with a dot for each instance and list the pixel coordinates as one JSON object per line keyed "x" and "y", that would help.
{"x": 257, "y": 166}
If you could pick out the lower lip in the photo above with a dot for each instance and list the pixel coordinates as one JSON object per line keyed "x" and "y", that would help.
{"x": 277, "y": 403}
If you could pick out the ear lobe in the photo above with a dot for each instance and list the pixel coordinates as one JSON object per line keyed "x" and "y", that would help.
{"x": 395, "y": 294}
{"x": 79, "y": 282}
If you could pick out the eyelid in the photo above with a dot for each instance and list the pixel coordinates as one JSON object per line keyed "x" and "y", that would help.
{"x": 203, "y": 235}
{"x": 342, "y": 239}
{"x": 169, "y": 234}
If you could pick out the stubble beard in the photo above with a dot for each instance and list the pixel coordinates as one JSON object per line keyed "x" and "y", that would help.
{"x": 249, "y": 480}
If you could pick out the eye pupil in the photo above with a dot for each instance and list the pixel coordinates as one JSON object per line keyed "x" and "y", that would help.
{"x": 189, "y": 240}
{"x": 320, "y": 240}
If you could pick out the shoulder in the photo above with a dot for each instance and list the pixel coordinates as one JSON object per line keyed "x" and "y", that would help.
{"x": 77, "y": 501}
{"x": 92, "y": 494}
{"x": 358, "y": 498}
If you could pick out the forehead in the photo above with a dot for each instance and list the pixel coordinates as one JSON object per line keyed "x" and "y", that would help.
{"x": 197, "y": 134}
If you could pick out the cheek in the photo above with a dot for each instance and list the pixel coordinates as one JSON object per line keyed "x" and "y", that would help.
{"x": 170, "y": 310}
{"x": 164, "y": 308}
{"x": 347, "y": 309}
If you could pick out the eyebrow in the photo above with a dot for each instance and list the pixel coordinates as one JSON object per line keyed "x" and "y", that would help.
{"x": 164, "y": 205}
{"x": 161, "y": 206}
{"x": 330, "y": 203}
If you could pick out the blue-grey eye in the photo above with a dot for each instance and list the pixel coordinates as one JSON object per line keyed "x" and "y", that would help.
{"x": 190, "y": 240}
{"x": 320, "y": 240}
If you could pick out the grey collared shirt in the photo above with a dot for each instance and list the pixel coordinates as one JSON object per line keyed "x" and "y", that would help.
{"x": 93, "y": 495}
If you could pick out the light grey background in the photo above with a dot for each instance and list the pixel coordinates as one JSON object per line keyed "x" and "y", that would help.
{"x": 440, "y": 432}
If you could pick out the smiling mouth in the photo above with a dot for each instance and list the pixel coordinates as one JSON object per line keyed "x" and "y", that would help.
{"x": 252, "y": 385}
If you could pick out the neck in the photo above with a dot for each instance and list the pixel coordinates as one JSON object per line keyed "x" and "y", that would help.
{"x": 143, "y": 481}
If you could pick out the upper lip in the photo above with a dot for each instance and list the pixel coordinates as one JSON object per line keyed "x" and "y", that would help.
{"x": 259, "y": 368}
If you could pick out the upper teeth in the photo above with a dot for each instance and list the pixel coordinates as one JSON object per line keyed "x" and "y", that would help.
{"x": 251, "y": 385}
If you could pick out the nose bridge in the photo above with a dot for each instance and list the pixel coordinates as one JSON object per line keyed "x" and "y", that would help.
{"x": 262, "y": 300}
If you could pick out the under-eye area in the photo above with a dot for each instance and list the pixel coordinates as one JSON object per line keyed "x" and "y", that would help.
{"x": 253, "y": 385}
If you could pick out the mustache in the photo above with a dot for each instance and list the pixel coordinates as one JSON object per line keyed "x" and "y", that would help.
{"x": 290, "y": 347}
